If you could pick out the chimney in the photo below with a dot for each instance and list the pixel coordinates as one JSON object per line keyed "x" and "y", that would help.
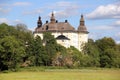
{"x": 56, "y": 21}
{"x": 46, "y": 22}
{"x": 66, "y": 21}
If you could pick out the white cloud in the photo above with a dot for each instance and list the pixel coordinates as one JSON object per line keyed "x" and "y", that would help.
{"x": 32, "y": 12}
{"x": 4, "y": 20}
{"x": 92, "y": 36}
{"x": 104, "y": 27}
{"x": 117, "y": 37}
{"x": 116, "y": 23}
{"x": 95, "y": 35}
{"x": 11, "y": 22}
{"x": 15, "y": 4}
{"x": 4, "y": 11}
{"x": 17, "y": 21}
{"x": 31, "y": 28}
{"x": 118, "y": 34}
{"x": 105, "y": 12}
{"x": 6, "y": 8}
{"x": 118, "y": 42}
{"x": 99, "y": 35}
{"x": 101, "y": 27}
{"x": 61, "y": 5}
{"x": 66, "y": 4}
{"x": 64, "y": 9}
{"x": 4, "y": 5}
{"x": 66, "y": 13}
{"x": 21, "y": 4}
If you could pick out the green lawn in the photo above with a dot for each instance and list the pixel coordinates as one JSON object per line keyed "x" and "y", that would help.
{"x": 64, "y": 74}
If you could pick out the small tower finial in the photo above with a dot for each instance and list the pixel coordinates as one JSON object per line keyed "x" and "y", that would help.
{"x": 81, "y": 15}
{"x": 52, "y": 18}
{"x": 82, "y": 22}
{"x": 52, "y": 13}
{"x": 39, "y": 18}
{"x": 39, "y": 22}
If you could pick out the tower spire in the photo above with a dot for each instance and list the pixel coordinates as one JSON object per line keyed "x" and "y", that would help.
{"x": 39, "y": 22}
{"x": 82, "y": 27}
{"x": 52, "y": 18}
{"x": 82, "y": 22}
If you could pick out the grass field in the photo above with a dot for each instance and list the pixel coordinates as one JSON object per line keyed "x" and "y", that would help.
{"x": 64, "y": 74}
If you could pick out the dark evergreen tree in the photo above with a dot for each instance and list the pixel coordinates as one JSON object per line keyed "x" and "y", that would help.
{"x": 50, "y": 46}
{"x": 37, "y": 52}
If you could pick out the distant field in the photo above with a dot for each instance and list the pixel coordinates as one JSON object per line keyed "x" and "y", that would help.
{"x": 63, "y": 74}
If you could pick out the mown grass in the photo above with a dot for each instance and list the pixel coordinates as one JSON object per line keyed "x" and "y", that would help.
{"x": 63, "y": 74}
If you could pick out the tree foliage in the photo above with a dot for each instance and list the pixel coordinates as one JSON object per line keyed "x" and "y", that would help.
{"x": 37, "y": 52}
{"x": 11, "y": 52}
{"x": 91, "y": 50}
{"x": 50, "y": 46}
{"x": 107, "y": 49}
{"x": 12, "y": 47}
{"x": 19, "y": 48}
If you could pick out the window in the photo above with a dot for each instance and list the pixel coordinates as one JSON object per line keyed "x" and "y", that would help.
{"x": 47, "y": 27}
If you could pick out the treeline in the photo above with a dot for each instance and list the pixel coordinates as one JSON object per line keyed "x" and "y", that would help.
{"x": 19, "y": 48}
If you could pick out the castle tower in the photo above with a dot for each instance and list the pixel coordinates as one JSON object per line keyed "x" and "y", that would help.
{"x": 82, "y": 27}
{"x": 39, "y": 22}
{"x": 82, "y": 33}
{"x": 52, "y": 19}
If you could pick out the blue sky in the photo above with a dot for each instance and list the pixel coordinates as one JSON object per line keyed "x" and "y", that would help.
{"x": 102, "y": 16}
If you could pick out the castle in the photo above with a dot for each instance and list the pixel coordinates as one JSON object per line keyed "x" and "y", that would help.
{"x": 64, "y": 32}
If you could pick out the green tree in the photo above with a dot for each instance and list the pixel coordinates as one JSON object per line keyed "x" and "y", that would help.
{"x": 11, "y": 52}
{"x": 107, "y": 59}
{"x": 92, "y": 51}
{"x": 50, "y": 46}
{"x": 58, "y": 59}
{"x": 73, "y": 56}
{"x": 21, "y": 34}
{"x": 86, "y": 61}
{"x": 6, "y": 30}
{"x": 117, "y": 59}
{"x": 107, "y": 49}
{"x": 37, "y": 52}
{"x": 105, "y": 43}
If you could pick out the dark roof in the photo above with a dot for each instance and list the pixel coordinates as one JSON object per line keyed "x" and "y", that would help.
{"x": 55, "y": 26}
{"x": 82, "y": 29}
{"x": 62, "y": 37}
{"x": 60, "y": 26}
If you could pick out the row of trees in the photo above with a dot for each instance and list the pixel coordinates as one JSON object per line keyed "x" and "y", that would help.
{"x": 13, "y": 45}
{"x": 104, "y": 52}
{"x": 19, "y": 48}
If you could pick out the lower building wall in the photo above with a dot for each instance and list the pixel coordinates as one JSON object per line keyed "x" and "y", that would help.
{"x": 76, "y": 39}
{"x": 39, "y": 34}
{"x": 73, "y": 36}
{"x": 83, "y": 38}
{"x": 64, "y": 43}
